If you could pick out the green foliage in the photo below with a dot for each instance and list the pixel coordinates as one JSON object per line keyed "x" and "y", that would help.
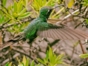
{"x": 86, "y": 20}
{"x": 2, "y": 18}
{"x": 3, "y": 2}
{"x": 25, "y": 62}
{"x": 51, "y": 59}
{"x": 86, "y": 23}
{"x": 85, "y": 2}
{"x": 15, "y": 12}
{"x": 38, "y": 4}
{"x": 18, "y": 11}
{"x": 8, "y": 64}
{"x": 84, "y": 56}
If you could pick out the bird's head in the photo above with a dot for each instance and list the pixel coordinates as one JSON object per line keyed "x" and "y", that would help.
{"x": 45, "y": 12}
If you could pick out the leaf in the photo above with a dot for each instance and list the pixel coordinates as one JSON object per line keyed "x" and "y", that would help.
{"x": 22, "y": 12}
{"x": 15, "y": 6}
{"x": 4, "y": 2}
{"x": 7, "y": 64}
{"x": 32, "y": 63}
{"x": 1, "y": 19}
{"x": 76, "y": 43}
{"x": 41, "y": 60}
{"x": 20, "y": 65}
{"x": 24, "y": 60}
{"x": 86, "y": 20}
{"x": 19, "y": 6}
{"x": 51, "y": 59}
{"x": 84, "y": 55}
{"x": 85, "y": 2}
{"x": 70, "y": 3}
{"x": 26, "y": 14}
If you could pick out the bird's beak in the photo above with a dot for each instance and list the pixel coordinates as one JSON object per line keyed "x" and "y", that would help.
{"x": 50, "y": 10}
{"x": 53, "y": 8}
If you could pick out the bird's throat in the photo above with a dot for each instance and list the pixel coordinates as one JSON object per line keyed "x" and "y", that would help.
{"x": 44, "y": 18}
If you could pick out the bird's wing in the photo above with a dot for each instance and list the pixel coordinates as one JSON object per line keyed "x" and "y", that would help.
{"x": 45, "y": 26}
{"x": 63, "y": 33}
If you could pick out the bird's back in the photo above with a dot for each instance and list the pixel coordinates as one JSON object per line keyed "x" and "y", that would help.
{"x": 31, "y": 29}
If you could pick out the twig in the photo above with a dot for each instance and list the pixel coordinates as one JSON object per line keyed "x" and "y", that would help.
{"x": 73, "y": 51}
{"x": 82, "y": 47}
{"x": 19, "y": 51}
{"x": 13, "y": 24}
{"x": 1, "y": 26}
{"x": 6, "y": 22}
{"x": 7, "y": 60}
{"x": 5, "y": 45}
{"x": 6, "y": 26}
{"x": 69, "y": 15}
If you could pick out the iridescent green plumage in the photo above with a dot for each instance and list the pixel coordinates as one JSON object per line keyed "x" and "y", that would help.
{"x": 40, "y": 27}
{"x": 40, "y": 23}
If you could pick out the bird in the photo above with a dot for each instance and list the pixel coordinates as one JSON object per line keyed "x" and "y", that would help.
{"x": 40, "y": 27}
{"x": 39, "y": 24}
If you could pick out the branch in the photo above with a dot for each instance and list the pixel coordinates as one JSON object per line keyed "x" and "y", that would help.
{"x": 19, "y": 51}
{"x": 7, "y": 60}
{"x": 6, "y": 26}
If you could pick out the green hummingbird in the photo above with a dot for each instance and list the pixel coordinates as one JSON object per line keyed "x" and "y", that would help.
{"x": 39, "y": 24}
{"x": 40, "y": 27}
